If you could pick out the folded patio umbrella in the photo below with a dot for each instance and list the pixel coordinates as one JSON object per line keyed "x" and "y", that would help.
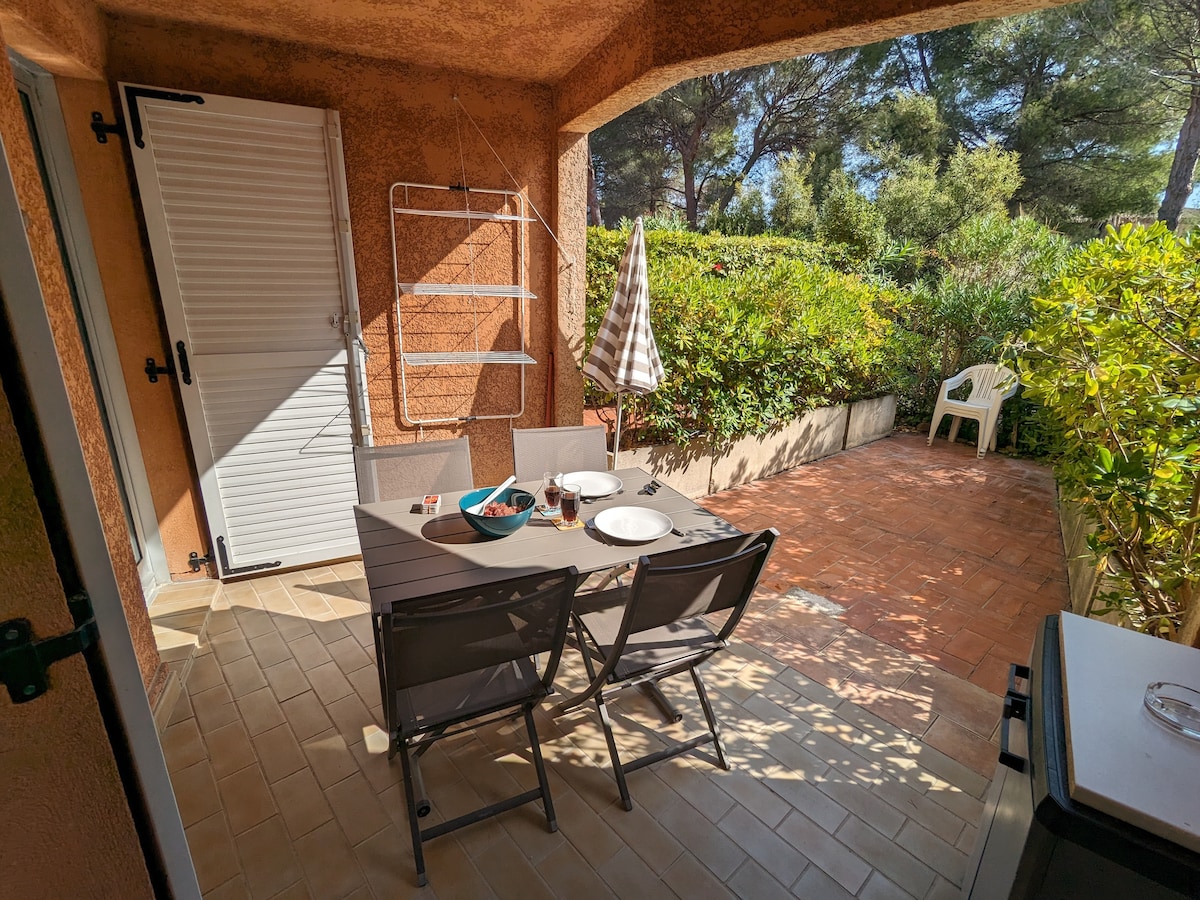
{"x": 624, "y": 358}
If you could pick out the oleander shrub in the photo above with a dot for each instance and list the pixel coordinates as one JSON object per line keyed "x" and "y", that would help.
{"x": 752, "y": 332}
{"x": 1114, "y": 356}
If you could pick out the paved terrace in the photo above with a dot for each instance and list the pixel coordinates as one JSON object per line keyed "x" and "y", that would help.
{"x": 859, "y": 734}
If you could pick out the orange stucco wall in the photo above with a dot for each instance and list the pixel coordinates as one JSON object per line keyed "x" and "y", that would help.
{"x": 66, "y": 821}
{"x": 399, "y": 123}
{"x": 72, "y": 361}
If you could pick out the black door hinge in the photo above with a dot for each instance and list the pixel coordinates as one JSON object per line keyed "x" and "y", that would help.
{"x": 25, "y": 660}
{"x": 153, "y": 369}
{"x": 102, "y": 129}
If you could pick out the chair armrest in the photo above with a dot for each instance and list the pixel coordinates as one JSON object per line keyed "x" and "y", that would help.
{"x": 955, "y": 381}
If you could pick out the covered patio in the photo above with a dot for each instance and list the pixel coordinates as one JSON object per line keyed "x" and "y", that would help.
{"x": 861, "y": 733}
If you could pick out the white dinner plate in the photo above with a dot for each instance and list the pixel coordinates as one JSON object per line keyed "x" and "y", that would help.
{"x": 594, "y": 484}
{"x": 633, "y": 524}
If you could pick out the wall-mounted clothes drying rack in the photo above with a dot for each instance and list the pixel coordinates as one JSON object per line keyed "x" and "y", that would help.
{"x": 460, "y": 299}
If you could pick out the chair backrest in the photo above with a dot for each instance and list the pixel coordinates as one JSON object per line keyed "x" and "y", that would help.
{"x": 693, "y": 581}
{"x": 989, "y": 380}
{"x": 397, "y": 471}
{"x": 464, "y": 631}
{"x": 573, "y": 448}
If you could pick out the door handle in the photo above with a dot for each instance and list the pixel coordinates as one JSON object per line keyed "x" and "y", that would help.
{"x": 185, "y": 371}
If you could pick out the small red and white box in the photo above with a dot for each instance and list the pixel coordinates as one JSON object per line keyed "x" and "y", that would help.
{"x": 431, "y": 504}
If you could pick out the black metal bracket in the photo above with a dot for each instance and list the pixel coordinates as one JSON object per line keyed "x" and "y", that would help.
{"x": 196, "y": 562}
{"x": 459, "y": 187}
{"x": 223, "y": 554}
{"x": 153, "y": 369}
{"x": 132, "y": 92}
{"x": 25, "y": 660}
{"x": 102, "y": 129}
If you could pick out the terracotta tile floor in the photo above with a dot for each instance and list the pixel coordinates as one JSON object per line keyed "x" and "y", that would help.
{"x": 834, "y": 723}
{"x": 931, "y": 570}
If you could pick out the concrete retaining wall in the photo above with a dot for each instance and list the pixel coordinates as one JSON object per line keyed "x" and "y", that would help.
{"x": 699, "y": 468}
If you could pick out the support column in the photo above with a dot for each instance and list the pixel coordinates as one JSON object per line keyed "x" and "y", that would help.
{"x": 570, "y": 222}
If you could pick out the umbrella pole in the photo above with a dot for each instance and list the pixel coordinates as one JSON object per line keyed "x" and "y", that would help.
{"x": 617, "y": 438}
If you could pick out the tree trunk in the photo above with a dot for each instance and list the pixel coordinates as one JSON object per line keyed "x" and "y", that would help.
{"x": 1187, "y": 148}
{"x": 691, "y": 201}
{"x": 593, "y": 195}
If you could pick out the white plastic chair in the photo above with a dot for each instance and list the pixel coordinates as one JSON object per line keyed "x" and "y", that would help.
{"x": 991, "y": 385}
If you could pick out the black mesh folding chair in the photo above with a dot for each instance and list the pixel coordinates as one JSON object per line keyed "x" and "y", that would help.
{"x": 572, "y": 448}
{"x": 396, "y": 471}
{"x": 458, "y": 660}
{"x": 652, "y": 629}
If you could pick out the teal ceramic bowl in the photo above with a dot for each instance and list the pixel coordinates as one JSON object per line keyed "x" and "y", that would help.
{"x": 498, "y": 526}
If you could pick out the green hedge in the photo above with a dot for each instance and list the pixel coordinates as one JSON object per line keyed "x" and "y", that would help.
{"x": 752, "y": 331}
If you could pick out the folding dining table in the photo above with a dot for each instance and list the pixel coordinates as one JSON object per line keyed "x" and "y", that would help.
{"x": 408, "y": 555}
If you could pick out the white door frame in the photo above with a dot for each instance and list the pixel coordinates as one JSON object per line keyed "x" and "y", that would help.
{"x": 26, "y": 311}
{"x": 77, "y": 239}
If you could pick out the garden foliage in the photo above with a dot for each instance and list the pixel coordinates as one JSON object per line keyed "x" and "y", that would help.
{"x": 1114, "y": 355}
{"x": 752, "y": 331}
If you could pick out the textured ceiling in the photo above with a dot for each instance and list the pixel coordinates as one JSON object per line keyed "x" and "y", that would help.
{"x": 531, "y": 40}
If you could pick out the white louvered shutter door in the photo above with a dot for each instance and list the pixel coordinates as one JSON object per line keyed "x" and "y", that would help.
{"x": 249, "y": 240}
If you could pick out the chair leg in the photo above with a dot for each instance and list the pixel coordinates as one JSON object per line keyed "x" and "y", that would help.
{"x": 414, "y": 827}
{"x": 713, "y": 726}
{"x": 538, "y": 764}
{"x": 955, "y": 421}
{"x": 618, "y": 771}
{"x": 933, "y": 427}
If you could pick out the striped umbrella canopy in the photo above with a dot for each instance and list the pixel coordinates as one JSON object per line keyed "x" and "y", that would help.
{"x": 624, "y": 357}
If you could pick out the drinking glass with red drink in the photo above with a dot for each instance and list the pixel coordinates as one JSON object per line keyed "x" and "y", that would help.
{"x": 552, "y": 487}
{"x": 571, "y": 495}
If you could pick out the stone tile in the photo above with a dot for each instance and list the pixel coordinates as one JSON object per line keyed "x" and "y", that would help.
{"x": 212, "y": 850}
{"x": 214, "y": 708}
{"x": 329, "y": 683}
{"x": 268, "y": 862}
{"x": 509, "y": 874}
{"x": 752, "y": 880}
{"x": 898, "y": 864}
{"x": 246, "y": 799}
{"x": 814, "y": 884}
{"x": 270, "y": 649}
{"x": 348, "y": 653}
{"x": 229, "y": 749}
{"x": 329, "y": 758}
{"x": 386, "y": 861}
{"x": 833, "y": 857}
{"x": 628, "y": 876}
{"x": 958, "y": 743}
{"x": 933, "y": 851}
{"x": 590, "y": 834}
{"x": 195, "y": 792}
{"x": 569, "y": 875}
{"x": 182, "y": 745}
{"x": 205, "y": 674}
{"x": 279, "y": 753}
{"x": 305, "y": 715}
{"x": 703, "y": 839}
{"x": 783, "y": 861}
{"x": 260, "y": 711}
{"x": 858, "y": 799}
{"x": 878, "y": 887}
{"x": 301, "y": 802}
{"x": 287, "y": 680}
{"x": 329, "y": 863}
{"x": 309, "y": 651}
{"x": 687, "y": 877}
{"x": 357, "y": 808}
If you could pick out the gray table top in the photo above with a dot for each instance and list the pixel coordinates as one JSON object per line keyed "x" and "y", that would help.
{"x": 408, "y": 555}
